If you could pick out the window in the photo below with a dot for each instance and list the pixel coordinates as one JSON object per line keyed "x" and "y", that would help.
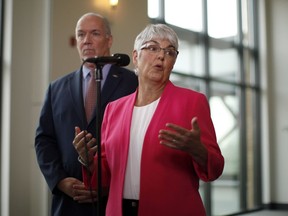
{"x": 218, "y": 56}
{"x": 1, "y": 72}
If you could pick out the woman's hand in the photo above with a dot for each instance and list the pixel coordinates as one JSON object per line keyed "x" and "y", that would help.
{"x": 185, "y": 140}
{"x": 85, "y": 145}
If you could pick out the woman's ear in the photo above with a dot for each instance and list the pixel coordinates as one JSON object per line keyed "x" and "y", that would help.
{"x": 135, "y": 58}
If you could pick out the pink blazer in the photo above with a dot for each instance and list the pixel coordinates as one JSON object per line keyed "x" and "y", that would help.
{"x": 169, "y": 178}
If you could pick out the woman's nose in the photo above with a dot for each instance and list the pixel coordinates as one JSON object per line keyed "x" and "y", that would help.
{"x": 161, "y": 54}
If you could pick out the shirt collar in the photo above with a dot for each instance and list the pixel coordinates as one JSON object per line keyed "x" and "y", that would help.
{"x": 105, "y": 70}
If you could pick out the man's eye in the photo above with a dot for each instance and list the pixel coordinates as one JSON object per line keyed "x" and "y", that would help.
{"x": 80, "y": 35}
{"x": 97, "y": 34}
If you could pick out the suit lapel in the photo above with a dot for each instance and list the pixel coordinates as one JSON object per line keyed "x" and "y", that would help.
{"x": 111, "y": 83}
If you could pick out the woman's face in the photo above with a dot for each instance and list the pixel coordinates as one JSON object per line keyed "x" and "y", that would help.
{"x": 155, "y": 61}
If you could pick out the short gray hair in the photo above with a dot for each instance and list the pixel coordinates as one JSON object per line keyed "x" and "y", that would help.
{"x": 156, "y": 31}
{"x": 105, "y": 21}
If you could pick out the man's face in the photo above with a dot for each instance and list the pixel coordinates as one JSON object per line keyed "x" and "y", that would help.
{"x": 92, "y": 38}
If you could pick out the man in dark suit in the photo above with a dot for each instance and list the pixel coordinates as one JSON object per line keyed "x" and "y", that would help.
{"x": 63, "y": 110}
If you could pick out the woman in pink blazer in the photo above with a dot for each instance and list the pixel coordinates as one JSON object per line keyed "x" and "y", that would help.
{"x": 158, "y": 142}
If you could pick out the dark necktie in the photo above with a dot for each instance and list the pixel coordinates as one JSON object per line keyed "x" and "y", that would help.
{"x": 90, "y": 98}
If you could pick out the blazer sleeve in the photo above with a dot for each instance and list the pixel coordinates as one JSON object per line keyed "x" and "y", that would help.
{"x": 91, "y": 179}
{"x": 215, "y": 160}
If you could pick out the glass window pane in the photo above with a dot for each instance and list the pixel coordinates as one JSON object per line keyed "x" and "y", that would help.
{"x": 154, "y": 8}
{"x": 224, "y": 64}
{"x": 225, "y": 111}
{"x": 185, "y": 14}
{"x": 188, "y": 82}
{"x": 222, "y": 18}
{"x": 190, "y": 58}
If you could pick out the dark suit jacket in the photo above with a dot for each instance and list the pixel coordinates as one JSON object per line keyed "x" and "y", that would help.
{"x": 62, "y": 110}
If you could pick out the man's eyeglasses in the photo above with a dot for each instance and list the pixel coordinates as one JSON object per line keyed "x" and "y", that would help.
{"x": 170, "y": 52}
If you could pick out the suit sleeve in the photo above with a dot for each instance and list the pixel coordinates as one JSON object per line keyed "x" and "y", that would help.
{"x": 48, "y": 156}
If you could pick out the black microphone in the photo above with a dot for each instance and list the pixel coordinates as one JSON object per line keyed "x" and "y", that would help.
{"x": 117, "y": 59}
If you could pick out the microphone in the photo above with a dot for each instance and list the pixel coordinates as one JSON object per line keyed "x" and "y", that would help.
{"x": 117, "y": 59}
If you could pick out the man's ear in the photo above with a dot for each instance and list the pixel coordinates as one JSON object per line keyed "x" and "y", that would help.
{"x": 110, "y": 41}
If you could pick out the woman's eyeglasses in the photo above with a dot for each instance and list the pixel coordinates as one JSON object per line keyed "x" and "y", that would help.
{"x": 153, "y": 48}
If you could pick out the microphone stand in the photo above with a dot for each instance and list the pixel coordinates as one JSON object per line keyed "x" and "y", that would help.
{"x": 98, "y": 79}
{"x": 120, "y": 60}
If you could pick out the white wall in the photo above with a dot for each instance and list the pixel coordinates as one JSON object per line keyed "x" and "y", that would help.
{"x": 37, "y": 50}
{"x": 277, "y": 89}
